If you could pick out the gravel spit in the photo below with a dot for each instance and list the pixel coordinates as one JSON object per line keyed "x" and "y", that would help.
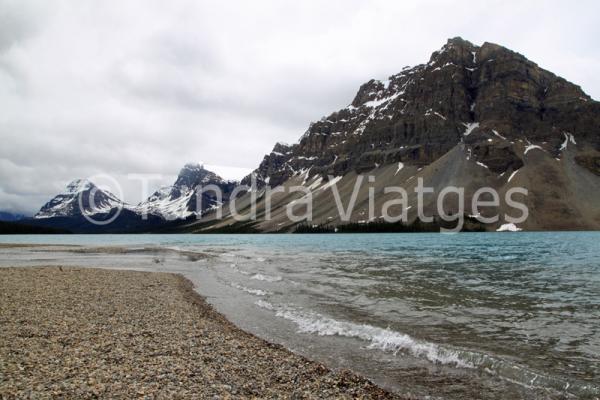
{"x": 94, "y": 333}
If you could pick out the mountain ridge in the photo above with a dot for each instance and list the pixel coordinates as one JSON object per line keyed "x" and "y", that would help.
{"x": 490, "y": 115}
{"x": 82, "y": 204}
{"x": 471, "y": 117}
{"x": 360, "y": 136}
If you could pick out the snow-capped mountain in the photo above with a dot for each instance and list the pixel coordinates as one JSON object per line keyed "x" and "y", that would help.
{"x": 180, "y": 201}
{"x": 80, "y": 197}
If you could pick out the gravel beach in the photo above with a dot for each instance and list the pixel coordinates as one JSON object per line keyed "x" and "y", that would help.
{"x": 93, "y": 333}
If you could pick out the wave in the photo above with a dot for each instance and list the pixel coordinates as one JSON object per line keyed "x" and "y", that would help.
{"x": 256, "y": 292}
{"x": 265, "y": 304}
{"x": 256, "y": 277}
{"x": 388, "y": 340}
{"x": 266, "y": 278}
{"x": 236, "y": 269}
{"x": 378, "y": 338}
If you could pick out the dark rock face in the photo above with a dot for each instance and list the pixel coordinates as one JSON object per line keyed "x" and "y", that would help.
{"x": 275, "y": 166}
{"x": 485, "y": 96}
{"x": 590, "y": 162}
{"x": 192, "y": 175}
{"x": 498, "y": 157}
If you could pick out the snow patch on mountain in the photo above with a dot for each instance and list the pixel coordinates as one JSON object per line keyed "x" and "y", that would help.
{"x": 508, "y": 228}
{"x": 470, "y": 127}
{"x": 512, "y": 175}
{"x": 532, "y": 147}
{"x": 400, "y": 166}
{"x": 377, "y": 103}
{"x": 568, "y": 138}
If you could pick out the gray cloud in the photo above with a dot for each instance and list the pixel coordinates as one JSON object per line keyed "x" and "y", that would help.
{"x": 113, "y": 87}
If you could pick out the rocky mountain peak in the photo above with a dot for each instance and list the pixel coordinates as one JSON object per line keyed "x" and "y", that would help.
{"x": 281, "y": 148}
{"x": 194, "y": 174}
{"x": 367, "y": 92}
{"x": 487, "y": 97}
{"x": 180, "y": 200}
{"x": 79, "y": 185}
{"x": 458, "y": 41}
{"x": 193, "y": 166}
{"x": 456, "y": 50}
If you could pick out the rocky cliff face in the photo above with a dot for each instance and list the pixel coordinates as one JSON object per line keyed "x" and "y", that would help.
{"x": 471, "y": 117}
{"x": 486, "y": 97}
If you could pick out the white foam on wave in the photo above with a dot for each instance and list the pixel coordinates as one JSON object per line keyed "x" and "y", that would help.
{"x": 266, "y": 278}
{"x": 388, "y": 340}
{"x": 256, "y": 292}
{"x": 265, "y": 304}
{"x": 395, "y": 342}
{"x": 378, "y": 338}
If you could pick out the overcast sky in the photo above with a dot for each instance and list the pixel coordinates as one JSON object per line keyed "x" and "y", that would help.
{"x": 120, "y": 87}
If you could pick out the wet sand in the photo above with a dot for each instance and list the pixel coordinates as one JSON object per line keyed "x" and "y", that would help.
{"x": 93, "y": 333}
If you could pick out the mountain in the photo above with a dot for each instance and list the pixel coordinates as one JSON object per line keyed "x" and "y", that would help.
{"x": 83, "y": 202}
{"x": 10, "y": 217}
{"x": 80, "y": 197}
{"x": 472, "y": 116}
{"x": 465, "y": 93}
{"x": 181, "y": 201}
{"x": 168, "y": 207}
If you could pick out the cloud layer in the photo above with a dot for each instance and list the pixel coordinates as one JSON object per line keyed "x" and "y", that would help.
{"x": 116, "y": 87}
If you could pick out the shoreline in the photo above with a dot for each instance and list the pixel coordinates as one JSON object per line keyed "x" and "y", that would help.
{"x": 92, "y": 332}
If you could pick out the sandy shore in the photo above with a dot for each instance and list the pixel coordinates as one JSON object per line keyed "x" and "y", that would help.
{"x": 89, "y": 333}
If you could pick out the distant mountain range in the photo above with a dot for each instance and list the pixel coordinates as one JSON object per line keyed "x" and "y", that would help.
{"x": 169, "y": 203}
{"x": 471, "y": 117}
{"x": 83, "y": 202}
